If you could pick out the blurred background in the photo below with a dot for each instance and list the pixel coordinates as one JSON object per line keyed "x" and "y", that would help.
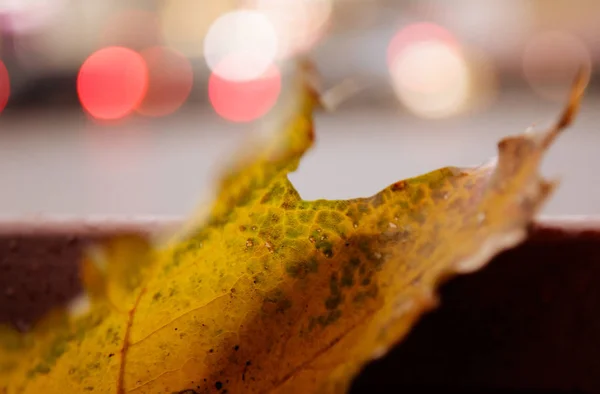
{"x": 130, "y": 108}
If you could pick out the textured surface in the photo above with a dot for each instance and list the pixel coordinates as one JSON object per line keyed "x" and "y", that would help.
{"x": 270, "y": 293}
{"x": 498, "y": 339}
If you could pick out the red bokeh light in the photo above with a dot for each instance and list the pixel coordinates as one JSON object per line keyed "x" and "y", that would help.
{"x": 4, "y": 86}
{"x": 169, "y": 83}
{"x": 112, "y": 82}
{"x": 244, "y": 101}
{"x": 418, "y": 32}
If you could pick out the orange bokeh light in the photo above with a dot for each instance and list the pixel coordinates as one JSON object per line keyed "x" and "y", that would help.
{"x": 244, "y": 101}
{"x": 170, "y": 81}
{"x": 4, "y": 86}
{"x": 112, "y": 82}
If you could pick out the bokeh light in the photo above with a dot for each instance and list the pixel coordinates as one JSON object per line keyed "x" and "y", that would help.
{"x": 299, "y": 23}
{"x": 60, "y": 46}
{"x": 429, "y": 72}
{"x": 244, "y": 101}
{"x": 21, "y": 16}
{"x": 112, "y": 82}
{"x": 132, "y": 28}
{"x": 4, "y": 86}
{"x": 170, "y": 81}
{"x": 247, "y": 39}
{"x": 550, "y": 61}
{"x": 184, "y": 23}
{"x": 415, "y": 33}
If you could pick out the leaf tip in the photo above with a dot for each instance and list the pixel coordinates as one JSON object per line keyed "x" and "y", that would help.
{"x": 580, "y": 83}
{"x": 335, "y": 96}
{"x": 311, "y": 79}
{"x": 331, "y": 98}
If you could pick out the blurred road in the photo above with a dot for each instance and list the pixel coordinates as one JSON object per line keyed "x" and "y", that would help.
{"x": 54, "y": 163}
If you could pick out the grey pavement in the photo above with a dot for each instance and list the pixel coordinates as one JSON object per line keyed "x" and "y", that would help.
{"x": 61, "y": 163}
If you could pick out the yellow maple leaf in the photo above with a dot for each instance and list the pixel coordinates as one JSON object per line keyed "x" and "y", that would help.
{"x": 270, "y": 293}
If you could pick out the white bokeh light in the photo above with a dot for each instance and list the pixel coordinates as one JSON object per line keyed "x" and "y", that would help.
{"x": 241, "y": 45}
{"x": 431, "y": 78}
{"x": 24, "y": 15}
{"x": 299, "y": 23}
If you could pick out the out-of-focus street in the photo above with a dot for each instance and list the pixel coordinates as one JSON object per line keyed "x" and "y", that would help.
{"x": 65, "y": 165}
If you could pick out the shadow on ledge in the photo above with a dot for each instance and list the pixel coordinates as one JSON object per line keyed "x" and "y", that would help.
{"x": 528, "y": 322}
